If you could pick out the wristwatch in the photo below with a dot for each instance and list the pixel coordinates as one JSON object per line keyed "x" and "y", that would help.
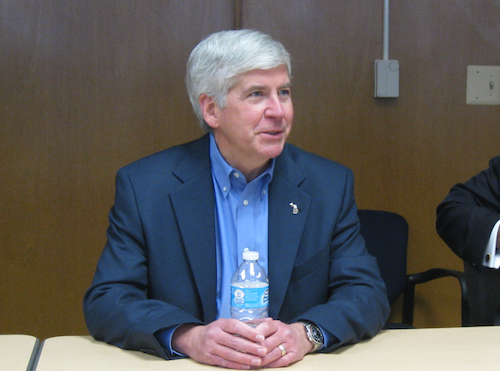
{"x": 314, "y": 335}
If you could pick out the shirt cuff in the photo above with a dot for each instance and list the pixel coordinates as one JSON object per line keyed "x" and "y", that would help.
{"x": 328, "y": 339}
{"x": 492, "y": 256}
{"x": 164, "y": 337}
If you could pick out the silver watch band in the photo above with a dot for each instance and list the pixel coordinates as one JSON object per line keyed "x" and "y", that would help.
{"x": 314, "y": 335}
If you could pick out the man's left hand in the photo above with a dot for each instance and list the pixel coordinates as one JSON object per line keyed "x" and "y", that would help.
{"x": 286, "y": 343}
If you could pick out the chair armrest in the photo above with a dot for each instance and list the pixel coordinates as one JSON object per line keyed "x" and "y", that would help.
{"x": 416, "y": 278}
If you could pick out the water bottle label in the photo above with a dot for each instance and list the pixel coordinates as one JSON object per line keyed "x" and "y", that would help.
{"x": 246, "y": 297}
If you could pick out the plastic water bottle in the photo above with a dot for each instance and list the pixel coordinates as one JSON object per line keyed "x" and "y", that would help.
{"x": 249, "y": 289}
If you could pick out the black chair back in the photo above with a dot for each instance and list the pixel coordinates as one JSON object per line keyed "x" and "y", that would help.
{"x": 386, "y": 238}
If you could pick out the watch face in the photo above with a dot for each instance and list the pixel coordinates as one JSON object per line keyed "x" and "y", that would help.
{"x": 317, "y": 335}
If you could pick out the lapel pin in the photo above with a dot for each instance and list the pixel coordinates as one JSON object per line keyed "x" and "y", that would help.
{"x": 295, "y": 208}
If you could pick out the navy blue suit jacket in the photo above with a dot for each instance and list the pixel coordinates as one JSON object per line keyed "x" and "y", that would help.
{"x": 158, "y": 268}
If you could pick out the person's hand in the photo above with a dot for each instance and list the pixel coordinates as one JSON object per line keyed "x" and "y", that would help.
{"x": 226, "y": 342}
{"x": 286, "y": 343}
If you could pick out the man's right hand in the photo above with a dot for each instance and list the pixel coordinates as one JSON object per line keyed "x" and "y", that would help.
{"x": 225, "y": 342}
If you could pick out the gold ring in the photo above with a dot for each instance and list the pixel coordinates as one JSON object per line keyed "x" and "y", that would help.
{"x": 282, "y": 348}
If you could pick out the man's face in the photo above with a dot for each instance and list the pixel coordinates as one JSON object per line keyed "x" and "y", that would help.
{"x": 256, "y": 121}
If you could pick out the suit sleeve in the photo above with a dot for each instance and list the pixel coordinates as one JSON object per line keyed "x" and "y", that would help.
{"x": 357, "y": 305}
{"x": 467, "y": 215}
{"x": 116, "y": 306}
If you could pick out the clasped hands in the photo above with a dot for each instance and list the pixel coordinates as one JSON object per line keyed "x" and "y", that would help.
{"x": 233, "y": 344}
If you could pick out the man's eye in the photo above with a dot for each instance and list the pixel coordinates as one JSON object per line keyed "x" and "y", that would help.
{"x": 256, "y": 94}
{"x": 285, "y": 92}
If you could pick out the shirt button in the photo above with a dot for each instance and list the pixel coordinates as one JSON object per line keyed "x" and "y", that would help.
{"x": 224, "y": 189}
{"x": 236, "y": 175}
{"x": 264, "y": 192}
{"x": 245, "y": 202}
{"x": 487, "y": 258}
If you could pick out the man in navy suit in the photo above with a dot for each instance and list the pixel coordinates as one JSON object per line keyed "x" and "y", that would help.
{"x": 182, "y": 217}
{"x": 468, "y": 220}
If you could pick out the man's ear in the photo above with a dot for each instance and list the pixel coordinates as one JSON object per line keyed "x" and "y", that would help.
{"x": 209, "y": 110}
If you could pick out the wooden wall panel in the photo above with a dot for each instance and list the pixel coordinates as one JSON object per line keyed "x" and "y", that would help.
{"x": 406, "y": 153}
{"x": 86, "y": 87}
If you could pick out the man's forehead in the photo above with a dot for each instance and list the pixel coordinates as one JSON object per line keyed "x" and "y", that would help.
{"x": 262, "y": 78}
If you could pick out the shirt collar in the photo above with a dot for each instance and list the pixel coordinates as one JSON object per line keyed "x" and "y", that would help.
{"x": 222, "y": 171}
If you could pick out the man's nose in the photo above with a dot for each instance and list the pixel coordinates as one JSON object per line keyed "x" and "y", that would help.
{"x": 275, "y": 107}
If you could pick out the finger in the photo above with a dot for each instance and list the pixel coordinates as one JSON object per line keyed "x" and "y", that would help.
{"x": 222, "y": 362}
{"x": 243, "y": 345}
{"x": 279, "y": 360}
{"x": 235, "y": 327}
{"x": 282, "y": 361}
{"x": 276, "y": 333}
{"x": 235, "y": 359}
{"x": 215, "y": 353}
{"x": 268, "y": 328}
{"x": 273, "y": 356}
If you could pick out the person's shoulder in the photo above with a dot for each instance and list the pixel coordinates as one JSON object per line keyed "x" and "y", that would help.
{"x": 171, "y": 157}
{"x": 495, "y": 162}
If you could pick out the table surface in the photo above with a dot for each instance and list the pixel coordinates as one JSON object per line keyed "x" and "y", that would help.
{"x": 456, "y": 349}
{"x": 16, "y": 351}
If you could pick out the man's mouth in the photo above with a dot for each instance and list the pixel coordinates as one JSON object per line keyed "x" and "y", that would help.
{"x": 272, "y": 132}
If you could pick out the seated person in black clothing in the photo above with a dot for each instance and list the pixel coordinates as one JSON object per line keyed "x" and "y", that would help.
{"x": 468, "y": 221}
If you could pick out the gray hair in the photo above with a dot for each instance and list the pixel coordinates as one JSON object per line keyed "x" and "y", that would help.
{"x": 216, "y": 63}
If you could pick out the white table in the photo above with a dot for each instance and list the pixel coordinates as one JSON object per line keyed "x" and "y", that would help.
{"x": 471, "y": 348}
{"x": 17, "y": 352}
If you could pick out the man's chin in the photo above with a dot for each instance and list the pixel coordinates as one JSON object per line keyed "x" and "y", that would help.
{"x": 273, "y": 151}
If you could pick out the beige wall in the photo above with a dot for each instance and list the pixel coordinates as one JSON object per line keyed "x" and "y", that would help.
{"x": 86, "y": 87}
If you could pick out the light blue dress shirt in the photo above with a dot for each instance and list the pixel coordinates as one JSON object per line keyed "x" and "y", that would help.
{"x": 242, "y": 221}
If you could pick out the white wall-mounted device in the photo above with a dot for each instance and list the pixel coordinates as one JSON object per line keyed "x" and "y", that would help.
{"x": 386, "y": 78}
{"x": 483, "y": 85}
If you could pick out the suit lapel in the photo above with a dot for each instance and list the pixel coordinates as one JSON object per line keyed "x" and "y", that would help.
{"x": 193, "y": 203}
{"x": 285, "y": 227}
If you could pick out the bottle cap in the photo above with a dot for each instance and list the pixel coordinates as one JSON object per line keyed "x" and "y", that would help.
{"x": 250, "y": 255}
